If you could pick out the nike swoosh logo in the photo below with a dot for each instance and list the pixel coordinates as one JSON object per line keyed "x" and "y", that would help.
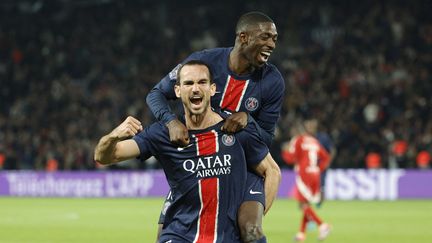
{"x": 254, "y": 192}
{"x": 183, "y": 148}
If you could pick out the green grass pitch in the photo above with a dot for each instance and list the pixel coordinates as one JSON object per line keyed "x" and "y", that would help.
{"x": 134, "y": 220}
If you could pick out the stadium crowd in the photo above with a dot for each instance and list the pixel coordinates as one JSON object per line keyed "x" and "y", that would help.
{"x": 71, "y": 70}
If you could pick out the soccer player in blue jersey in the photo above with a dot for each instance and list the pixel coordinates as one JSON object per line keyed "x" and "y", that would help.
{"x": 208, "y": 176}
{"x": 248, "y": 87}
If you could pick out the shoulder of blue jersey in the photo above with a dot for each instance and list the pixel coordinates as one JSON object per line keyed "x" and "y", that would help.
{"x": 173, "y": 73}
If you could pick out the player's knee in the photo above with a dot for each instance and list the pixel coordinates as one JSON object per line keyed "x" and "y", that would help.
{"x": 303, "y": 205}
{"x": 251, "y": 232}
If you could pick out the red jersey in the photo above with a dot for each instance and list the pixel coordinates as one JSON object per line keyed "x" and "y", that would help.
{"x": 310, "y": 160}
{"x": 308, "y": 154}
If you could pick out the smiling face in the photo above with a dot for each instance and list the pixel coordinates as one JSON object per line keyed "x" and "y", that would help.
{"x": 194, "y": 88}
{"x": 258, "y": 42}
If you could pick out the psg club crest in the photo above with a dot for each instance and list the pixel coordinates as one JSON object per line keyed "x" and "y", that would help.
{"x": 228, "y": 140}
{"x": 251, "y": 104}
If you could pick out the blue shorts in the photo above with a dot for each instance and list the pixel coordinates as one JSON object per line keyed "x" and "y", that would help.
{"x": 254, "y": 192}
{"x": 168, "y": 201}
{"x": 254, "y": 189}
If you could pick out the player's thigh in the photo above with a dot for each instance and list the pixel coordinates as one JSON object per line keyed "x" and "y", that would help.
{"x": 252, "y": 208}
{"x": 254, "y": 189}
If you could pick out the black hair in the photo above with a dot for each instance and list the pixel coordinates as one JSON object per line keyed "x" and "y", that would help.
{"x": 251, "y": 18}
{"x": 194, "y": 62}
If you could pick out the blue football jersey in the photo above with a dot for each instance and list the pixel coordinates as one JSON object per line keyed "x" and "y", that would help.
{"x": 260, "y": 93}
{"x": 207, "y": 179}
{"x": 325, "y": 140}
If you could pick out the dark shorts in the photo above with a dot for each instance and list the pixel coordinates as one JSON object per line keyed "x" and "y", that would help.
{"x": 254, "y": 192}
{"x": 168, "y": 201}
{"x": 254, "y": 189}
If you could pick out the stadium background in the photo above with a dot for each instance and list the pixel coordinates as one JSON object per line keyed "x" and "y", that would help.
{"x": 71, "y": 70}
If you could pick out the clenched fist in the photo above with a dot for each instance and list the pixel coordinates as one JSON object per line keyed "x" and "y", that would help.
{"x": 128, "y": 128}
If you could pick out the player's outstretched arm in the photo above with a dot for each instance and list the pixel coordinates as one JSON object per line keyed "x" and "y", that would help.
{"x": 272, "y": 177}
{"x": 115, "y": 146}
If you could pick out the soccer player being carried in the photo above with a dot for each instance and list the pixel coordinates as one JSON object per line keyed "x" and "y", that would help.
{"x": 207, "y": 177}
{"x": 249, "y": 89}
{"x": 310, "y": 159}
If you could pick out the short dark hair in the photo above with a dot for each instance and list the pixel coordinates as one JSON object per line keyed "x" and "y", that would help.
{"x": 191, "y": 63}
{"x": 251, "y": 18}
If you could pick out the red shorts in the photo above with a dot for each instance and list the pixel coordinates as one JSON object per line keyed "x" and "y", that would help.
{"x": 308, "y": 188}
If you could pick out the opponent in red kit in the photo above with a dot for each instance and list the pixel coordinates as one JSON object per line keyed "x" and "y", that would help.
{"x": 310, "y": 159}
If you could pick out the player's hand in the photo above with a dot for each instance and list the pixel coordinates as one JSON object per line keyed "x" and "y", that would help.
{"x": 128, "y": 128}
{"x": 178, "y": 133}
{"x": 235, "y": 122}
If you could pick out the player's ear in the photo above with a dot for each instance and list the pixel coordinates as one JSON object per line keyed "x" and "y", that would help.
{"x": 212, "y": 89}
{"x": 243, "y": 36}
{"x": 177, "y": 90}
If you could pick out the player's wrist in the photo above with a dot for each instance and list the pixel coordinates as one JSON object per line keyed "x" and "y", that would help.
{"x": 170, "y": 119}
{"x": 172, "y": 123}
{"x": 113, "y": 137}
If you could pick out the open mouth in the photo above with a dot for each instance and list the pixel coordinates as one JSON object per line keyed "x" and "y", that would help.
{"x": 196, "y": 100}
{"x": 265, "y": 55}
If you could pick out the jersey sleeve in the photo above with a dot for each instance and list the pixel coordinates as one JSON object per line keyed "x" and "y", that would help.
{"x": 157, "y": 99}
{"x": 146, "y": 141}
{"x": 266, "y": 136}
{"x": 255, "y": 149}
{"x": 272, "y": 103}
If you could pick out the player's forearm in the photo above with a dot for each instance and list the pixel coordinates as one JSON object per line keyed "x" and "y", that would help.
{"x": 271, "y": 185}
{"x": 105, "y": 150}
{"x": 158, "y": 104}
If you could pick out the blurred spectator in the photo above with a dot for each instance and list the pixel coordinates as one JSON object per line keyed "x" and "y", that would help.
{"x": 2, "y": 160}
{"x": 398, "y": 155}
{"x": 51, "y": 165}
{"x": 363, "y": 69}
{"x": 373, "y": 160}
{"x": 423, "y": 159}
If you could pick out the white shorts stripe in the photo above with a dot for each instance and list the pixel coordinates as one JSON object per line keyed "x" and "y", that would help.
{"x": 306, "y": 192}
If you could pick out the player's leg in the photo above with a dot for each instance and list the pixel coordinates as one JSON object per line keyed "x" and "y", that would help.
{"x": 301, "y": 234}
{"x": 250, "y": 221}
{"x": 311, "y": 214}
{"x": 309, "y": 192}
{"x": 251, "y": 211}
